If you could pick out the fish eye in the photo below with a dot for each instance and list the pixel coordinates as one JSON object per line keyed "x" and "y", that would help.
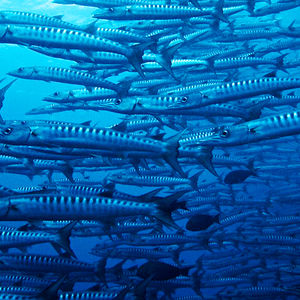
{"x": 118, "y": 101}
{"x": 7, "y": 131}
{"x": 111, "y": 9}
{"x": 23, "y": 122}
{"x": 56, "y": 94}
{"x": 184, "y": 99}
{"x": 252, "y": 130}
{"x": 225, "y": 133}
{"x": 20, "y": 70}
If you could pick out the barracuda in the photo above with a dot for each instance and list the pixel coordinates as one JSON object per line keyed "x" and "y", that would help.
{"x": 148, "y": 180}
{"x": 247, "y": 88}
{"x": 67, "y": 39}
{"x": 120, "y": 35}
{"x": 58, "y": 207}
{"x": 101, "y": 3}
{"x": 272, "y": 127}
{"x": 135, "y": 253}
{"x": 80, "y": 95}
{"x": 79, "y": 56}
{"x": 275, "y": 8}
{"x": 28, "y": 18}
{"x": 150, "y": 11}
{"x": 64, "y": 75}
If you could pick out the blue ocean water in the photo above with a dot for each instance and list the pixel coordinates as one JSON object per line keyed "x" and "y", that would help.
{"x": 275, "y": 167}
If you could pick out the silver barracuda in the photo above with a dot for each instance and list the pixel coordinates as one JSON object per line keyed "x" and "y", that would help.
{"x": 66, "y": 39}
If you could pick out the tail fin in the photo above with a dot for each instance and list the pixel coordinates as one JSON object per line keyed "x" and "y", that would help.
{"x": 50, "y": 292}
{"x": 136, "y": 57}
{"x": 63, "y": 236}
{"x": 218, "y": 13}
{"x": 171, "y": 154}
{"x": 164, "y": 59}
{"x": 204, "y": 157}
{"x": 4, "y": 90}
{"x": 165, "y": 206}
{"x": 280, "y": 62}
{"x": 194, "y": 180}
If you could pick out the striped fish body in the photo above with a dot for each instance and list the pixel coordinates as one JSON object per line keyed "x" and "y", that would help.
{"x": 272, "y": 127}
{"x": 90, "y": 295}
{"x": 94, "y": 138}
{"x": 54, "y": 37}
{"x": 19, "y": 290}
{"x": 80, "y": 94}
{"x": 28, "y": 18}
{"x": 79, "y": 56}
{"x": 6, "y": 160}
{"x": 102, "y": 3}
{"x": 150, "y": 11}
{"x": 148, "y": 180}
{"x": 57, "y": 207}
{"x": 134, "y": 253}
{"x": 238, "y": 62}
{"x": 247, "y": 89}
{"x": 48, "y": 264}
{"x": 63, "y": 75}
{"x": 7, "y": 296}
{"x": 10, "y": 239}
{"x": 119, "y": 35}
{"x": 11, "y": 279}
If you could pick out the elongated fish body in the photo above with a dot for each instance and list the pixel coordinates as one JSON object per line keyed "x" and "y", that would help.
{"x": 278, "y": 45}
{"x": 28, "y": 18}
{"x": 89, "y": 295}
{"x": 19, "y": 290}
{"x": 10, "y": 239}
{"x": 38, "y": 153}
{"x": 150, "y": 11}
{"x": 188, "y": 89}
{"x": 58, "y": 207}
{"x": 176, "y": 64}
{"x": 89, "y": 137}
{"x": 79, "y": 56}
{"x": 63, "y": 75}
{"x": 80, "y": 95}
{"x": 101, "y": 3}
{"x": 135, "y": 125}
{"x": 262, "y": 129}
{"x": 51, "y": 264}
{"x": 134, "y": 253}
{"x": 239, "y": 62}
{"x": 119, "y": 35}
{"x": 26, "y": 280}
{"x": 247, "y": 88}
{"x": 148, "y": 180}
{"x": 9, "y": 160}
{"x": 275, "y": 8}
{"x": 58, "y": 38}
{"x": 7, "y": 296}
{"x": 245, "y": 35}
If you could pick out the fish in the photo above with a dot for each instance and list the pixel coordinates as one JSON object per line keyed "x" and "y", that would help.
{"x": 164, "y": 164}
{"x": 201, "y": 222}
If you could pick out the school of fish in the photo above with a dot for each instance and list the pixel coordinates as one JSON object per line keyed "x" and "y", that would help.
{"x": 194, "y": 193}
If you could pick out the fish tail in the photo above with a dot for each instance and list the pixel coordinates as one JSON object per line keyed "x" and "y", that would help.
{"x": 136, "y": 57}
{"x": 171, "y": 153}
{"x": 63, "y": 239}
{"x": 204, "y": 157}
{"x": 166, "y": 206}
